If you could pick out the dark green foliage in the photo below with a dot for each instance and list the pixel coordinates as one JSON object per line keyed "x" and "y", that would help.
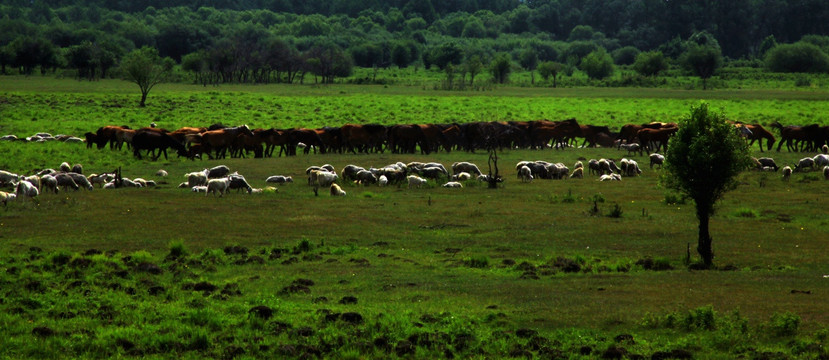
{"x": 446, "y": 53}
{"x": 650, "y": 63}
{"x": 702, "y": 60}
{"x": 625, "y": 56}
{"x": 500, "y": 68}
{"x": 785, "y": 324}
{"x": 597, "y": 65}
{"x": 703, "y": 160}
{"x": 799, "y": 57}
{"x": 549, "y": 69}
{"x": 329, "y": 61}
{"x": 145, "y": 68}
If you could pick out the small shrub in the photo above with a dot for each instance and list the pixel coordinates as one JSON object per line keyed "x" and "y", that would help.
{"x": 303, "y": 246}
{"x": 802, "y": 81}
{"x": 675, "y": 199}
{"x": 141, "y": 256}
{"x": 177, "y": 249}
{"x": 569, "y": 198}
{"x": 701, "y": 318}
{"x": 785, "y": 324}
{"x": 616, "y": 212}
{"x": 477, "y": 262}
{"x": 746, "y": 213}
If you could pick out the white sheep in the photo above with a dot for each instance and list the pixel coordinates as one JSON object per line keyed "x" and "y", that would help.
{"x": 7, "y": 177}
{"x": 217, "y": 186}
{"x": 161, "y": 173}
{"x": 821, "y": 160}
{"x": 65, "y": 181}
{"x": 48, "y": 182}
{"x": 611, "y": 177}
{"x": 336, "y": 190}
{"x": 127, "y": 182}
{"x": 578, "y": 173}
{"x": 77, "y": 168}
{"x": 826, "y": 172}
{"x": 593, "y": 166}
{"x": 140, "y": 181}
{"x": 825, "y": 148}
{"x": 787, "y": 172}
{"x": 199, "y": 189}
{"x": 465, "y": 167}
{"x": 25, "y": 188}
{"x": 217, "y": 172}
{"x": 525, "y": 174}
{"x": 415, "y": 180}
{"x": 578, "y": 165}
{"x": 365, "y": 177}
{"x": 5, "y": 197}
{"x": 631, "y": 148}
{"x": 279, "y": 179}
{"x": 100, "y": 179}
{"x": 462, "y": 176}
{"x": 382, "y": 180}
{"x": 803, "y": 163}
{"x": 64, "y": 166}
{"x": 34, "y": 179}
{"x": 322, "y": 178}
{"x": 81, "y": 180}
{"x": 657, "y": 159}
{"x": 483, "y": 178}
{"x": 196, "y": 178}
{"x": 453, "y": 185}
{"x": 184, "y": 185}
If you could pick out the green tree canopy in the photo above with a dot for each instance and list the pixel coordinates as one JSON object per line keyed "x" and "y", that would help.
{"x": 702, "y": 60}
{"x": 650, "y": 63}
{"x": 597, "y": 65}
{"x": 798, "y": 57}
{"x": 147, "y": 69}
{"x": 703, "y": 160}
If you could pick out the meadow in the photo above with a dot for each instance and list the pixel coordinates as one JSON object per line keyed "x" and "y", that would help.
{"x": 548, "y": 269}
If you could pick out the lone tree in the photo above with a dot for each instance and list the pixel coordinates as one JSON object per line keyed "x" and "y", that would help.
{"x": 146, "y": 68}
{"x": 703, "y": 61}
{"x": 703, "y": 160}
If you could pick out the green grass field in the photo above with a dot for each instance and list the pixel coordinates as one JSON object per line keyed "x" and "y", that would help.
{"x": 524, "y": 270}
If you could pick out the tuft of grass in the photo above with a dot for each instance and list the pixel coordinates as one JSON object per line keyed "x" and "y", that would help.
{"x": 569, "y": 198}
{"x": 616, "y": 212}
{"x": 177, "y": 249}
{"x": 785, "y": 324}
{"x": 746, "y": 213}
{"x": 479, "y": 262}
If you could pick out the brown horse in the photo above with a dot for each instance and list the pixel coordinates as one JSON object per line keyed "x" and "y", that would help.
{"x": 220, "y": 140}
{"x": 658, "y": 137}
{"x": 805, "y": 136}
{"x": 757, "y": 132}
{"x": 107, "y": 134}
{"x": 152, "y": 141}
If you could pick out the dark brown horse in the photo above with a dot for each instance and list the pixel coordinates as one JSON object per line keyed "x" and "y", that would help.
{"x": 755, "y": 132}
{"x": 220, "y": 140}
{"x": 648, "y": 138}
{"x": 156, "y": 141}
{"x": 804, "y": 136}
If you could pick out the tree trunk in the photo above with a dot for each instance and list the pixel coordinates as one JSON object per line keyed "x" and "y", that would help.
{"x": 704, "y": 245}
{"x": 143, "y": 99}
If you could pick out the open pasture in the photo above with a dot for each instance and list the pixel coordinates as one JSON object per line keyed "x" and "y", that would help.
{"x": 434, "y": 272}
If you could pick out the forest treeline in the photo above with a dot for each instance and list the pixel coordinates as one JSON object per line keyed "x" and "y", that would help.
{"x": 281, "y": 40}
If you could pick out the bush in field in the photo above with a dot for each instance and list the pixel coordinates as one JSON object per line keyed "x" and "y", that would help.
{"x": 798, "y": 57}
{"x": 650, "y": 63}
{"x": 597, "y": 65}
{"x": 626, "y": 55}
{"x": 785, "y": 324}
{"x": 549, "y": 69}
{"x": 702, "y": 61}
{"x": 500, "y": 68}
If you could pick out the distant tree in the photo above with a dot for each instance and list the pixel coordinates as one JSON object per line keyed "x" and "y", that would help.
{"x": 549, "y": 69}
{"x": 474, "y": 28}
{"x": 581, "y": 33}
{"x": 473, "y": 66}
{"x": 82, "y": 58}
{"x": 31, "y": 52}
{"x": 446, "y": 53}
{"x": 147, "y": 69}
{"x": 6, "y": 58}
{"x": 597, "y": 64}
{"x": 702, "y": 61}
{"x": 768, "y": 43}
{"x": 367, "y": 55}
{"x": 798, "y": 57}
{"x": 529, "y": 61}
{"x": 625, "y": 55}
{"x": 416, "y": 23}
{"x": 650, "y": 63}
{"x": 702, "y": 161}
{"x": 328, "y": 62}
{"x": 500, "y": 68}
{"x": 577, "y": 50}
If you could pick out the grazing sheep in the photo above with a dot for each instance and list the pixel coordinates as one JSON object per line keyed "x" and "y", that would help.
{"x": 382, "y": 180}
{"x": 46, "y": 172}
{"x": 77, "y": 168}
{"x": 336, "y": 190}
{"x": 34, "y": 179}
{"x": 657, "y": 159}
{"x": 365, "y": 177}
{"x": 199, "y": 189}
{"x": 184, "y": 185}
{"x": 826, "y": 172}
{"x": 806, "y": 162}
{"x": 328, "y": 167}
{"x": 415, "y": 180}
{"x": 578, "y": 165}
{"x": 787, "y": 172}
{"x": 73, "y": 140}
{"x": 127, "y": 182}
{"x": 48, "y": 182}
{"x": 557, "y": 171}
{"x": 821, "y": 160}
{"x": 217, "y": 186}
{"x": 525, "y": 174}
{"x": 612, "y": 165}
{"x": 483, "y": 178}
{"x": 279, "y": 179}
{"x": 238, "y": 182}
{"x": 453, "y": 185}
{"x": 5, "y": 197}
{"x": 197, "y": 178}
{"x": 433, "y": 172}
{"x": 65, "y": 181}
{"x": 630, "y": 167}
{"x": 7, "y": 177}
{"x": 594, "y": 167}
{"x": 100, "y": 179}
{"x": 322, "y": 178}
{"x": 766, "y": 162}
{"x": 462, "y": 176}
{"x": 217, "y": 172}
{"x": 825, "y": 148}
{"x": 25, "y": 188}
{"x": 465, "y": 167}
{"x": 632, "y": 148}
{"x": 110, "y": 185}
{"x": 604, "y": 167}
{"x": 161, "y": 173}
{"x": 257, "y": 191}
{"x": 64, "y": 166}
{"x": 578, "y": 173}
{"x": 611, "y": 177}
{"x": 81, "y": 180}
{"x": 350, "y": 172}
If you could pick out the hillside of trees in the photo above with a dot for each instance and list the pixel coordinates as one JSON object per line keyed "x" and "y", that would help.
{"x": 217, "y": 41}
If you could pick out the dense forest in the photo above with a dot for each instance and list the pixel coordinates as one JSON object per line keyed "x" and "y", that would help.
{"x": 281, "y": 40}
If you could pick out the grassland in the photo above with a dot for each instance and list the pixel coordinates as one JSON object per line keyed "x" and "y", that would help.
{"x": 526, "y": 269}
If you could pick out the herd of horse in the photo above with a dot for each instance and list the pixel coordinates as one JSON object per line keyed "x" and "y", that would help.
{"x": 217, "y": 140}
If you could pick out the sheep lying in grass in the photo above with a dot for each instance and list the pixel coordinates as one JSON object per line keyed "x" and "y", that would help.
{"x": 279, "y": 179}
{"x": 787, "y": 172}
{"x": 336, "y": 190}
{"x": 415, "y": 180}
{"x": 199, "y": 189}
{"x": 462, "y": 176}
{"x": 453, "y": 184}
{"x": 611, "y": 177}
{"x": 100, "y": 179}
{"x": 161, "y": 173}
